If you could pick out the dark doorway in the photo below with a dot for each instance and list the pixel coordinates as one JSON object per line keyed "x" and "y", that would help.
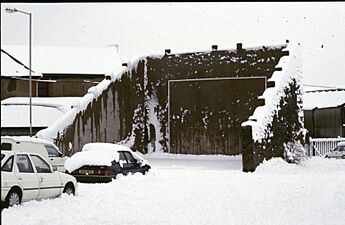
{"x": 206, "y": 114}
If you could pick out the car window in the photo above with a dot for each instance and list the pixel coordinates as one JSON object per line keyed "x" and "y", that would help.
{"x": 52, "y": 152}
{"x": 40, "y": 165}
{"x": 6, "y": 146}
{"x": 122, "y": 156}
{"x": 2, "y": 156}
{"x": 8, "y": 165}
{"x": 341, "y": 148}
{"x": 129, "y": 157}
{"x": 24, "y": 164}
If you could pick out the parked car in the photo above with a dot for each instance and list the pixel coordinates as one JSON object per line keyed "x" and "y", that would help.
{"x": 27, "y": 176}
{"x": 338, "y": 152}
{"x": 102, "y": 162}
{"x": 48, "y": 150}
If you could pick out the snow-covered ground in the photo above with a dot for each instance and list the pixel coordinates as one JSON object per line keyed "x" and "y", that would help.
{"x": 201, "y": 190}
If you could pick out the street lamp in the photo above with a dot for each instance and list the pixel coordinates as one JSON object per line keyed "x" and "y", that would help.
{"x": 14, "y": 10}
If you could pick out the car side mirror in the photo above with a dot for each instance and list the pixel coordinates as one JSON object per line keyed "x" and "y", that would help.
{"x": 55, "y": 168}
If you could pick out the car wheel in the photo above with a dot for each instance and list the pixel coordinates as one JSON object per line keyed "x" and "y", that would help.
{"x": 147, "y": 168}
{"x": 69, "y": 189}
{"x": 343, "y": 157}
{"x": 13, "y": 198}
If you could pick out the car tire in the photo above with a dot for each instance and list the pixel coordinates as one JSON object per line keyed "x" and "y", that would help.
{"x": 147, "y": 168}
{"x": 69, "y": 189}
{"x": 13, "y": 198}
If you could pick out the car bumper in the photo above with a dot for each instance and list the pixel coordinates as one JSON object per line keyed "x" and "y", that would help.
{"x": 94, "y": 178}
{"x": 4, "y": 192}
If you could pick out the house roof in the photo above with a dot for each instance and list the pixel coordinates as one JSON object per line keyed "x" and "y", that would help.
{"x": 12, "y": 67}
{"x": 323, "y": 98}
{"x": 45, "y": 110}
{"x": 66, "y": 60}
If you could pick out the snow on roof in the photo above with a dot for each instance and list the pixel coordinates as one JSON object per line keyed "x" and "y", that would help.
{"x": 323, "y": 99}
{"x": 98, "y": 154}
{"x": 45, "y": 110}
{"x": 11, "y": 67}
{"x": 94, "y": 92}
{"x": 28, "y": 139}
{"x": 291, "y": 69}
{"x": 67, "y": 60}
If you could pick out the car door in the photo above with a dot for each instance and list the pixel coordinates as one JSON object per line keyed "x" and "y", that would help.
{"x": 49, "y": 181}
{"x": 27, "y": 177}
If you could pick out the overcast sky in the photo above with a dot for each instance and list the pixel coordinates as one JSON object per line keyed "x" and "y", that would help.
{"x": 141, "y": 28}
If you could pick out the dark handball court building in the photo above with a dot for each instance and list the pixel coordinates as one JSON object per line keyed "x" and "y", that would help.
{"x": 201, "y": 98}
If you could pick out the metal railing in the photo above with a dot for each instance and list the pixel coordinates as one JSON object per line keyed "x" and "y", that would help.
{"x": 320, "y": 146}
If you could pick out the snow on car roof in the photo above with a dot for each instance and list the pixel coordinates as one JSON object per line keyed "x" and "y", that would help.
{"x": 98, "y": 154}
{"x": 102, "y": 146}
{"x": 341, "y": 143}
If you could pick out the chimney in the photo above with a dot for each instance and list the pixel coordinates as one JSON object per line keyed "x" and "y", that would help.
{"x": 239, "y": 46}
{"x": 167, "y": 51}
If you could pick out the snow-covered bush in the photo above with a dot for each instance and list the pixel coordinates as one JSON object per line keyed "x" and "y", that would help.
{"x": 294, "y": 152}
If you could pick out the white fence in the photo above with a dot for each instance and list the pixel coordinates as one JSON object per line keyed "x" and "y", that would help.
{"x": 320, "y": 146}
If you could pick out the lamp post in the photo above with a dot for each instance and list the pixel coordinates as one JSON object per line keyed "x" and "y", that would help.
{"x": 14, "y": 10}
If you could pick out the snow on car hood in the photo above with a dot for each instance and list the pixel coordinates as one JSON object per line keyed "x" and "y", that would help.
{"x": 99, "y": 154}
{"x": 102, "y": 157}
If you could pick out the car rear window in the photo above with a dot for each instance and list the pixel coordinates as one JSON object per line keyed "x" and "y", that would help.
{"x": 6, "y": 146}
{"x": 8, "y": 165}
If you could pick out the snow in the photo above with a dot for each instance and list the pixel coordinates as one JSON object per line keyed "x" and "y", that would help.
{"x": 291, "y": 69}
{"x": 97, "y": 158}
{"x": 67, "y": 119}
{"x": 9, "y": 67}
{"x": 29, "y": 139}
{"x": 187, "y": 190}
{"x": 98, "y": 154}
{"x": 66, "y": 60}
{"x": 323, "y": 99}
{"x": 45, "y": 110}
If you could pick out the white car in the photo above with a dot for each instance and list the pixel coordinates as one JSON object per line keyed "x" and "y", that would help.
{"x": 338, "y": 152}
{"x": 27, "y": 176}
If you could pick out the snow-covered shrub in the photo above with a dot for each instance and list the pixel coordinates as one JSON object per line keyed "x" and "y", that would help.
{"x": 294, "y": 152}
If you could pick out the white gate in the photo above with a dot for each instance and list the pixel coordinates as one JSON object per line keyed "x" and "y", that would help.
{"x": 320, "y": 146}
